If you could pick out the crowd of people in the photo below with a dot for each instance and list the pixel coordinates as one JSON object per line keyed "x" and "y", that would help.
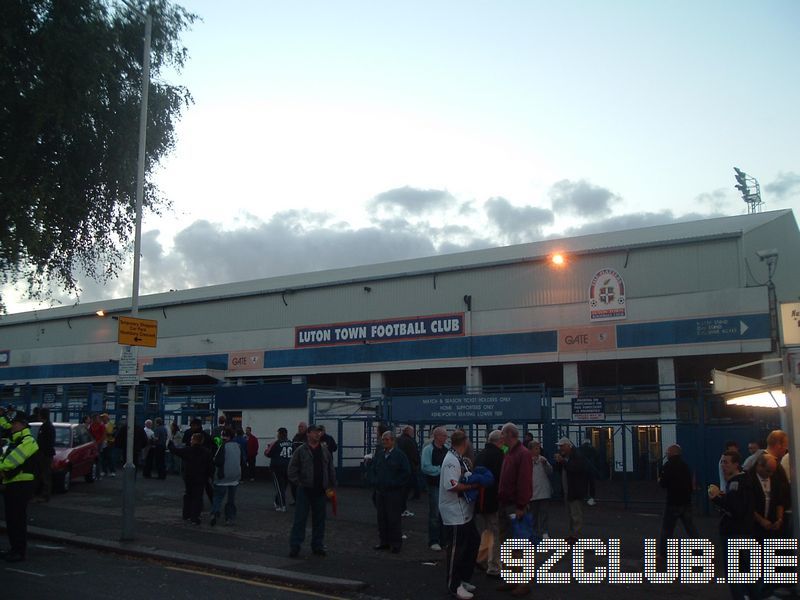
{"x": 476, "y": 500}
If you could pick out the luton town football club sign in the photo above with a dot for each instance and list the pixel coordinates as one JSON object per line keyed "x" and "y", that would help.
{"x": 607, "y": 296}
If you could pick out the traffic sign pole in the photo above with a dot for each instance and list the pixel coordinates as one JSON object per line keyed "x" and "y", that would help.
{"x": 129, "y": 471}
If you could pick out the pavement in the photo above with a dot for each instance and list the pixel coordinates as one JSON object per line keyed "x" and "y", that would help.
{"x": 256, "y": 546}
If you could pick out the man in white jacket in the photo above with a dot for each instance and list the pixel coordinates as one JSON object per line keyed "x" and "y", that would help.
{"x": 542, "y": 490}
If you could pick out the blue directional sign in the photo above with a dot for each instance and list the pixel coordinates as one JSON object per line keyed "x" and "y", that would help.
{"x": 467, "y": 408}
{"x": 694, "y": 331}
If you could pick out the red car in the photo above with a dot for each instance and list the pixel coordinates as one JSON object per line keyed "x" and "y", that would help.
{"x": 76, "y": 454}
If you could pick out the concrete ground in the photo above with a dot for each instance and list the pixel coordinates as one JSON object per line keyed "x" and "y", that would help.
{"x": 257, "y": 545}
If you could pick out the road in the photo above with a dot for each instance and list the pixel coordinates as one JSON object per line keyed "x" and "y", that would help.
{"x": 67, "y": 572}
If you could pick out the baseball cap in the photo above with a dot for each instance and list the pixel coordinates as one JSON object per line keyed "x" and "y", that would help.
{"x": 314, "y": 428}
{"x": 564, "y": 440}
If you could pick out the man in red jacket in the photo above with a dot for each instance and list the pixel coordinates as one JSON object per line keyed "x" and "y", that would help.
{"x": 514, "y": 493}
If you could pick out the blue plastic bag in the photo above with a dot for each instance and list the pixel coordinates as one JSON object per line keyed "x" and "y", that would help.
{"x": 523, "y": 529}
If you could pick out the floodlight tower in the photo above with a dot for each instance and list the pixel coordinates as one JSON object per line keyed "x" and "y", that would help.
{"x": 751, "y": 191}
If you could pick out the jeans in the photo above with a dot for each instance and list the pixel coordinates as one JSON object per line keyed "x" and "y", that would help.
{"x": 539, "y": 511}
{"x": 307, "y": 500}
{"x": 575, "y": 514}
{"x": 281, "y": 480}
{"x": 230, "y": 507}
{"x": 107, "y": 460}
{"x": 671, "y": 515}
{"x": 435, "y": 527}
{"x": 193, "y": 500}
{"x": 389, "y": 504}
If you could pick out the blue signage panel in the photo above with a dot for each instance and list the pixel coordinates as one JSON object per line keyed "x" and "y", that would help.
{"x": 694, "y": 331}
{"x": 96, "y": 402}
{"x": 406, "y": 328}
{"x": 467, "y": 408}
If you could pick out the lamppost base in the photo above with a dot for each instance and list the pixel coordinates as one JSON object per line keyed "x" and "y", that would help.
{"x": 128, "y": 501}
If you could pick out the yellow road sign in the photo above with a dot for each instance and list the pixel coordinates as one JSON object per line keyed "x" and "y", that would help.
{"x": 137, "y": 332}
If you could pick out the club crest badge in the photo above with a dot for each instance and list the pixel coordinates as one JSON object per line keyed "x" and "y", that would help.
{"x": 607, "y": 296}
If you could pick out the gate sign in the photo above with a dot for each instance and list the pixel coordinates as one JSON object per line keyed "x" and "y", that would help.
{"x": 588, "y": 409}
{"x": 467, "y": 408}
{"x": 606, "y": 296}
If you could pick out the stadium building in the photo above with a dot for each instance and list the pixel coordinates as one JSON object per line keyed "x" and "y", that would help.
{"x": 611, "y": 345}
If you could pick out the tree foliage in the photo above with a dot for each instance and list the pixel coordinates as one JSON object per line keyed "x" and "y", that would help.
{"x": 70, "y": 89}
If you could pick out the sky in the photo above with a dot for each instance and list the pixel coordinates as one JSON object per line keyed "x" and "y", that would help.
{"x": 330, "y": 134}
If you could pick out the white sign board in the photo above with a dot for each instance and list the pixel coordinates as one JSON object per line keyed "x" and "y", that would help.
{"x": 790, "y": 323}
{"x": 128, "y": 368}
{"x": 794, "y": 367}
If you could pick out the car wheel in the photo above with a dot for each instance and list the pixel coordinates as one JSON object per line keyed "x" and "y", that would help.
{"x": 92, "y": 474}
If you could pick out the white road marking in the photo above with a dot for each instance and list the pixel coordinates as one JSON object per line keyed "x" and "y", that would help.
{"x": 45, "y": 547}
{"x": 26, "y": 572}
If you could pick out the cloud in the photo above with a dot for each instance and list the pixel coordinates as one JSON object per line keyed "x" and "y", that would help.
{"x": 716, "y": 201}
{"x": 581, "y": 198}
{"x": 517, "y": 224}
{"x": 413, "y": 201}
{"x": 634, "y": 221}
{"x": 785, "y": 185}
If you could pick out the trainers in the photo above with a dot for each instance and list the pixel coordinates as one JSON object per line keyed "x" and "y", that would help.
{"x": 591, "y": 502}
{"x": 113, "y": 474}
{"x": 435, "y": 547}
{"x": 463, "y": 593}
{"x": 468, "y": 586}
{"x": 404, "y": 536}
{"x": 407, "y": 513}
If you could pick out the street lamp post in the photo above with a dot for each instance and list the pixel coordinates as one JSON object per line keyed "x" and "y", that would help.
{"x": 129, "y": 471}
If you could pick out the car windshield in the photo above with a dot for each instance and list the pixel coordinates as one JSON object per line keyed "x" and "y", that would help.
{"x": 62, "y": 435}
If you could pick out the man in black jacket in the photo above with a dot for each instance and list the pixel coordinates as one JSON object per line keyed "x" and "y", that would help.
{"x": 735, "y": 504}
{"x": 46, "y": 439}
{"x": 575, "y": 483}
{"x": 408, "y": 445}
{"x": 196, "y": 473}
{"x": 491, "y": 457}
{"x": 676, "y": 477}
{"x": 388, "y": 474}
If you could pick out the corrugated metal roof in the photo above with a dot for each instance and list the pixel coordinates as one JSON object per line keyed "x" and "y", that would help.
{"x": 658, "y": 235}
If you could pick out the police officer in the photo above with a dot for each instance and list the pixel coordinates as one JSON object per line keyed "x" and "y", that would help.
{"x": 18, "y": 474}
